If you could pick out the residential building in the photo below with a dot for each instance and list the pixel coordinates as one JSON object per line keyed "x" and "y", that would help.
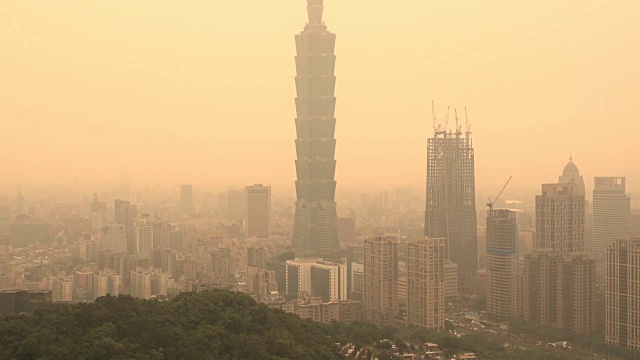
{"x": 381, "y": 280}
{"x": 425, "y": 283}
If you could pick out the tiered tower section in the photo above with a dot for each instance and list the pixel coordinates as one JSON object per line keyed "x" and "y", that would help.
{"x": 315, "y": 232}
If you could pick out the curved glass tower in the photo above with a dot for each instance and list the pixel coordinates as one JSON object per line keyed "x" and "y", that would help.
{"x": 315, "y": 229}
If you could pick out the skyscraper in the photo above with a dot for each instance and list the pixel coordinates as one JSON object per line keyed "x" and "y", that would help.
{"x": 559, "y": 290}
{"x": 558, "y": 278}
{"x": 186, "y": 199}
{"x": 611, "y": 213}
{"x": 258, "y": 211}
{"x": 623, "y": 293}
{"x": 451, "y": 206}
{"x": 315, "y": 230}
{"x": 501, "y": 264}
{"x": 560, "y": 213}
{"x": 425, "y": 283}
{"x": 381, "y": 280}
{"x": 125, "y": 214}
{"x": 98, "y": 215}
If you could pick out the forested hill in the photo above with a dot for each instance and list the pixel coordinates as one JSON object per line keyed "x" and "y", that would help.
{"x": 209, "y": 325}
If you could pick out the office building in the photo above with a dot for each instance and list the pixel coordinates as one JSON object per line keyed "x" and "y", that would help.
{"x": 622, "y": 300}
{"x": 451, "y": 207}
{"x": 611, "y": 213}
{"x": 381, "y": 280}
{"x": 258, "y": 211}
{"x": 114, "y": 238}
{"x": 501, "y": 265}
{"x": 25, "y": 232}
{"x": 315, "y": 229}
{"x": 425, "y": 283}
{"x": 186, "y": 199}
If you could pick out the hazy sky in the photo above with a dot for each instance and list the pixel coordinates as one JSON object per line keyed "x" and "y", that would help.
{"x": 203, "y": 91}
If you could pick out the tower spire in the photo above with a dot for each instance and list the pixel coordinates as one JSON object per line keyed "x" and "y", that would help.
{"x": 314, "y": 8}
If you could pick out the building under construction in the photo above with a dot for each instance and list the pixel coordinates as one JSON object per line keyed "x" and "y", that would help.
{"x": 451, "y": 207}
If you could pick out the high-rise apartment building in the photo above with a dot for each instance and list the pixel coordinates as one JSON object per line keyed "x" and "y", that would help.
{"x": 258, "y": 211}
{"x": 381, "y": 280}
{"x": 222, "y": 264}
{"x": 98, "y": 215}
{"x": 611, "y": 213}
{"x": 315, "y": 229}
{"x": 313, "y": 277}
{"x": 144, "y": 239}
{"x": 558, "y": 279}
{"x": 125, "y": 214}
{"x": 62, "y": 288}
{"x": 560, "y": 215}
{"x": 501, "y": 264}
{"x": 623, "y": 293}
{"x": 104, "y": 283}
{"x": 559, "y": 291}
{"x": 140, "y": 286}
{"x": 346, "y": 230}
{"x": 425, "y": 283}
{"x": 186, "y": 199}
{"x": 451, "y": 206}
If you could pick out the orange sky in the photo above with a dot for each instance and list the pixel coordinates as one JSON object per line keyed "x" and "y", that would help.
{"x": 202, "y": 91}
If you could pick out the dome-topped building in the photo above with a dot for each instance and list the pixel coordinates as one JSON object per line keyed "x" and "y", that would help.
{"x": 571, "y": 175}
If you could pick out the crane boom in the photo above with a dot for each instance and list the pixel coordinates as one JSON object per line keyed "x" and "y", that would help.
{"x": 491, "y": 203}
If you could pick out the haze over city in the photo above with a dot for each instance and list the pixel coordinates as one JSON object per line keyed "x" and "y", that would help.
{"x": 203, "y": 92}
{"x": 308, "y": 180}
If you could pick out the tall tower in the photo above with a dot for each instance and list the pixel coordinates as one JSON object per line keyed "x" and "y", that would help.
{"x": 611, "y": 213}
{"x": 258, "y": 211}
{"x": 425, "y": 283}
{"x": 315, "y": 230}
{"x": 622, "y": 295}
{"x": 501, "y": 264}
{"x": 451, "y": 206}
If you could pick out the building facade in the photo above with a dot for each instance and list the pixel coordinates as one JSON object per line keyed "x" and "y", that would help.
{"x": 560, "y": 215}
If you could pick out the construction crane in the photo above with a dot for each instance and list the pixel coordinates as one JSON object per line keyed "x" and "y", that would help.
{"x": 491, "y": 203}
